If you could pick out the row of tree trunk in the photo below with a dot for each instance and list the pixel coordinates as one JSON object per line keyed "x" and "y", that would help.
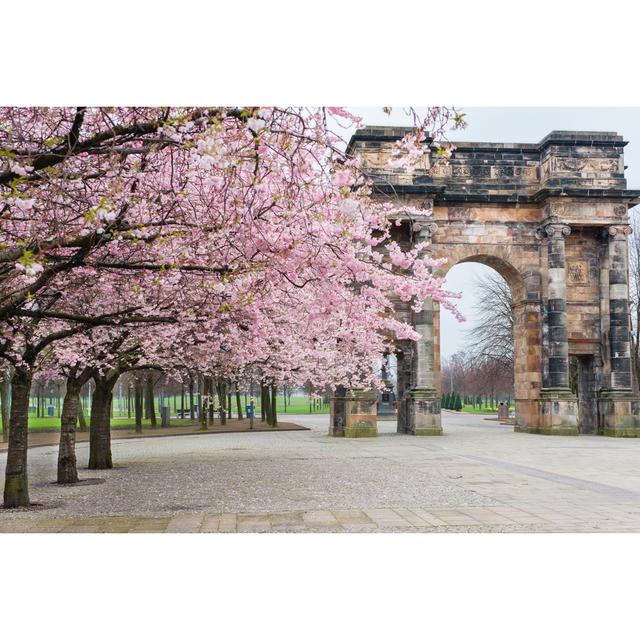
{"x": 16, "y": 490}
{"x": 268, "y": 404}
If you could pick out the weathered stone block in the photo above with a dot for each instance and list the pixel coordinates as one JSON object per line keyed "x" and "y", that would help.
{"x": 619, "y": 413}
{"x": 353, "y": 414}
{"x": 423, "y": 413}
{"x": 558, "y": 413}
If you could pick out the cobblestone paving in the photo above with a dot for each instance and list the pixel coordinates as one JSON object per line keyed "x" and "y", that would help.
{"x": 480, "y": 476}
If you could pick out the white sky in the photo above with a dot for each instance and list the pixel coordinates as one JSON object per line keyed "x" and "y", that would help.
{"x": 518, "y": 124}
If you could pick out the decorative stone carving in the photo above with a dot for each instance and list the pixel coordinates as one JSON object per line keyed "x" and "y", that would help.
{"x": 557, "y": 230}
{"x": 578, "y": 273}
{"x": 565, "y": 165}
{"x": 620, "y": 210}
{"x": 600, "y": 165}
{"x": 554, "y": 212}
{"x": 461, "y": 171}
{"x": 440, "y": 171}
{"x": 584, "y": 165}
{"x": 553, "y": 230}
{"x": 620, "y": 229}
{"x": 425, "y": 229}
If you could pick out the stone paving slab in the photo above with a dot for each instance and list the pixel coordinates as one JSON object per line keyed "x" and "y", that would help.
{"x": 478, "y": 520}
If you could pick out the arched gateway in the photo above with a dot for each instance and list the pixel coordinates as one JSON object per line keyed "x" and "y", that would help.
{"x": 552, "y": 219}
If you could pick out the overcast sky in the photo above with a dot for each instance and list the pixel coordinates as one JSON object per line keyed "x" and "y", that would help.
{"x": 518, "y": 124}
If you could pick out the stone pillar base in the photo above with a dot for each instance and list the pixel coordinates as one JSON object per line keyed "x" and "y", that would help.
{"x": 527, "y": 415}
{"x": 558, "y": 412}
{"x": 353, "y": 414}
{"x": 619, "y": 413}
{"x": 423, "y": 413}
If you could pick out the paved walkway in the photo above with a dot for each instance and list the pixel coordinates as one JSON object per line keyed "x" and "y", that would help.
{"x": 480, "y": 476}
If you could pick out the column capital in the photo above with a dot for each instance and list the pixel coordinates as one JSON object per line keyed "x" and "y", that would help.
{"x": 425, "y": 229}
{"x": 553, "y": 230}
{"x": 619, "y": 230}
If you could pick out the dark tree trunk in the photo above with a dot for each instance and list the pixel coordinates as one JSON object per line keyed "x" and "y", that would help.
{"x": 192, "y": 414}
{"x": 212, "y": 403}
{"x": 200, "y": 391}
{"x": 211, "y": 400}
{"x": 5, "y": 394}
{"x": 205, "y": 400}
{"x": 274, "y": 406}
{"x": 138, "y": 404}
{"x": 263, "y": 404}
{"x": 100, "y": 426}
{"x": 67, "y": 464}
{"x": 150, "y": 404}
{"x": 16, "y": 486}
{"x": 267, "y": 404}
{"x": 222, "y": 395}
{"x": 239, "y": 405}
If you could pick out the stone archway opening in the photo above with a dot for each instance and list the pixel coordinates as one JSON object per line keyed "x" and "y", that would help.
{"x": 476, "y": 358}
{"x": 526, "y": 337}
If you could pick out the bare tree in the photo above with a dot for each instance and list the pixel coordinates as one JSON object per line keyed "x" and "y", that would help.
{"x": 490, "y": 340}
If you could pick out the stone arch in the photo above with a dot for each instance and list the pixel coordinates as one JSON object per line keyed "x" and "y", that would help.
{"x": 552, "y": 219}
{"x": 525, "y": 285}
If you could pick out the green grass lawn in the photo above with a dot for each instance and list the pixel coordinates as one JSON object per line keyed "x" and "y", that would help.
{"x": 467, "y": 408}
{"x": 53, "y": 424}
{"x": 298, "y": 405}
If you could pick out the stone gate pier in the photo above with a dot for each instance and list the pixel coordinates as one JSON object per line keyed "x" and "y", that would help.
{"x": 552, "y": 218}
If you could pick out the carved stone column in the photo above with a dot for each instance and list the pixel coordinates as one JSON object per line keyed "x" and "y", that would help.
{"x": 423, "y": 405}
{"x": 557, "y": 306}
{"x": 557, "y": 404}
{"x": 619, "y": 339}
{"x": 619, "y": 408}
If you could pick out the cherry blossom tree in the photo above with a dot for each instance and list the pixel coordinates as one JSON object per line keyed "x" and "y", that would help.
{"x": 238, "y": 230}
